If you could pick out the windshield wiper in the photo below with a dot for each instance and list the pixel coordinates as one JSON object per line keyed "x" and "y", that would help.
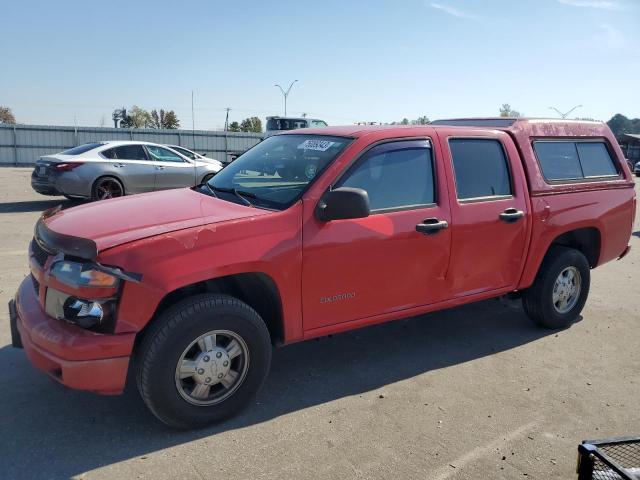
{"x": 211, "y": 191}
{"x": 238, "y": 193}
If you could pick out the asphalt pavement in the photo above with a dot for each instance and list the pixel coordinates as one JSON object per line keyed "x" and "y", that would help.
{"x": 469, "y": 393}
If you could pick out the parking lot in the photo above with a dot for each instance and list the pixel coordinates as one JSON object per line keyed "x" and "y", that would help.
{"x": 473, "y": 392}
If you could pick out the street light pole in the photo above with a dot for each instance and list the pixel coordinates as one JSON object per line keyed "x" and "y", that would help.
{"x": 286, "y": 94}
{"x": 564, "y": 115}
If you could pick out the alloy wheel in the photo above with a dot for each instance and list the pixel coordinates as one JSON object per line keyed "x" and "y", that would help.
{"x": 566, "y": 289}
{"x": 212, "y": 367}
{"x": 108, "y": 188}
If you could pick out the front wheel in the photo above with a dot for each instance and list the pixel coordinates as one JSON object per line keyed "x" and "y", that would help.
{"x": 560, "y": 289}
{"x": 203, "y": 360}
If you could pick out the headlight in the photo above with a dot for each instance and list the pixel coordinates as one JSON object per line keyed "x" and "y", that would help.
{"x": 82, "y": 275}
{"x": 85, "y": 313}
{"x": 95, "y": 314}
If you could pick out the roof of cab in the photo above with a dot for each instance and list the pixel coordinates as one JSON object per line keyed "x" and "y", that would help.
{"x": 559, "y": 126}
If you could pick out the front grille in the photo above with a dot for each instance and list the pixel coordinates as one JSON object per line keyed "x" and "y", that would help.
{"x": 38, "y": 253}
{"x": 36, "y": 284}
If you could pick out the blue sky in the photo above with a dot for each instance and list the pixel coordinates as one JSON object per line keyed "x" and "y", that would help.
{"x": 378, "y": 60}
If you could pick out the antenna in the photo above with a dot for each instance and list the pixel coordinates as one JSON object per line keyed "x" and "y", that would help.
{"x": 566, "y": 114}
{"x": 193, "y": 135}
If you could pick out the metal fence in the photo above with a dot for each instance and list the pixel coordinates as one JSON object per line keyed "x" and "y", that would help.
{"x": 24, "y": 144}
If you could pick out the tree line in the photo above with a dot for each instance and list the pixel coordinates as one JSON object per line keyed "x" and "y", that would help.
{"x": 251, "y": 124}
{"x": 619, "y": 125}
{"x": 137, "y": 117}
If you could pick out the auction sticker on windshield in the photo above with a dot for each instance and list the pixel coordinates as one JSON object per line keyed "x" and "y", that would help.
{"x": 318, "y": 145}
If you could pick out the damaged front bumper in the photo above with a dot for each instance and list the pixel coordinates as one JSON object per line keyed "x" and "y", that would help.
{"x": 75, "y": 357}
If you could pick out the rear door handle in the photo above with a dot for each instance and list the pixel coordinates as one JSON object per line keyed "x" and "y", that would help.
{"x": 431, "y": 226}
{"x": 159, "y": 167}
{"x": 511, "y": 215}
{"x": 119, "y": 165}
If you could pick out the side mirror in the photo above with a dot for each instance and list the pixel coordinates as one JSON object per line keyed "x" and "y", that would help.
{"x": 343, "y": 203}
{"x": 203, "y": 154}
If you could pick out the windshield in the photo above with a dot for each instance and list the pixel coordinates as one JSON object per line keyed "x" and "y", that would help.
{"x": 276, "y": 172}
{"x": 184, "y": 151}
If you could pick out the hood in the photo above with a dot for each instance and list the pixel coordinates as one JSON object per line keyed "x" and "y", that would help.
{"x": 113, "y": 222}
{"x": 209, "y": 164}
{"x": 207, "y": 160}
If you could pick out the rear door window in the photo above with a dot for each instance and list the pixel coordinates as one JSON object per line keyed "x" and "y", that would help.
{"x": 480, "y": 167}
{"x": 109, "y": 153}
{"x": 185, "y": 152}
{"x": 574, "y": 160}
{"x": 130, "y": 152}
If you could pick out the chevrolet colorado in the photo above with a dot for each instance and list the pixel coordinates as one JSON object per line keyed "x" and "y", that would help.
{"x": 193, "y": 286}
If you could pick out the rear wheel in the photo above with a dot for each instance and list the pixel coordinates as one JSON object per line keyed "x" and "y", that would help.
{"x": 560, "y": 289}
{"x": 107, "y": 187}
{"x": 203, "y": 360}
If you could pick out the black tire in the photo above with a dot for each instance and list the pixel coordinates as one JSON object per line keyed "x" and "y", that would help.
{"x": 102, "y": 182}
{"x": 538, "y": 299}
{"x": 173, "y": 331}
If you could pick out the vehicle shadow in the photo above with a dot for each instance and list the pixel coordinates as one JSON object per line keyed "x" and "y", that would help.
{"x": 42, "y": 421}
{"x": 37, "y": 205}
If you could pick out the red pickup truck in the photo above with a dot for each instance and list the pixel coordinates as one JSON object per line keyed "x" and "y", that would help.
{"x": 192, "y": 287}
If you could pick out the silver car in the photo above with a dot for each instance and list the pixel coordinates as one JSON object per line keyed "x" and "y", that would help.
{"x": 112, "y": 169}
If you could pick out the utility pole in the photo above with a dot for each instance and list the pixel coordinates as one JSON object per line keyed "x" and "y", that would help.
{"x": 226, "y": 121}
{"x": 193, "y": 123}
{"x": 564, "y": 115}
{"x": 286, "y": 94}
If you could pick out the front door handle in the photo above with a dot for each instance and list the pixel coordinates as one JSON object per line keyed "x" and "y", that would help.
{"x": 159, "y": 167}
{"x": 511, "y": 215}
{"x": 431, "y": 226}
